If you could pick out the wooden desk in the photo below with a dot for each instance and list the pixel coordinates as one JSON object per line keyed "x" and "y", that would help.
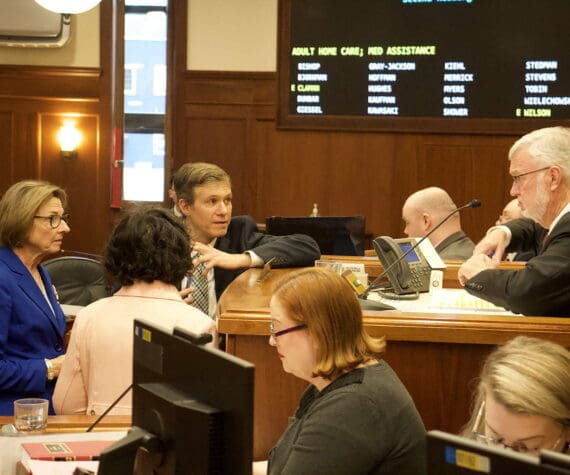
{"x": 66, "y": 426}
{"x": 373, "y": 267}
{"x": 79, "y": 423}
{"x": 437, "y": 356}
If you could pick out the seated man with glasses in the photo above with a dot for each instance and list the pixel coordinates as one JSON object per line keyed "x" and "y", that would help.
{"x": 523, "y": 399}
{"x": 540, "y": 168}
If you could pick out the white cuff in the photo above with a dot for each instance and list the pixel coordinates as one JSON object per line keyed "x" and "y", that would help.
{"x": 256, "y": 261}
{"x": 503, "y": 228}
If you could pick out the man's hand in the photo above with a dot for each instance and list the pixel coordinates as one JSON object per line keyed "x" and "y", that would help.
{"x": 474, "y": 265}
{"x": 187, "y": 294}
{"x": 212, "y": 257}
{"x": 493, "y": 245}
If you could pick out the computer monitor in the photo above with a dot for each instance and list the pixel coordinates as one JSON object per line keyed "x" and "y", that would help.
{"x": 192, "y": 403}
{"x": 558, "y": 460}
{"x": 335, "y": 235}
{"x": 449, "y": 454}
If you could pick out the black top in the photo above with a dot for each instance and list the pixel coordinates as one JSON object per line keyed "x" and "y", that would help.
{"x": 364, "y": 422}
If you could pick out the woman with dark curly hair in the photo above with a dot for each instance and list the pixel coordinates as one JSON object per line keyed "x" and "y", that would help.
{"x": 148, "y": 254}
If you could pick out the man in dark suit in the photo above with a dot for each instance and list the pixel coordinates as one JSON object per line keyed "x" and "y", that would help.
{"x": 227, "y": 246}
{"x": 422, "y": 212}
{"x": 540, "y": 167}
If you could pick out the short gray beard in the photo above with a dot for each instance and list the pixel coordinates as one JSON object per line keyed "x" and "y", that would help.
{"x": 538, "y": 210}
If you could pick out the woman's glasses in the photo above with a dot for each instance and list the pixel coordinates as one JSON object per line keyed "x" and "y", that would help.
{"x": 55, "y": 219}
{"x": 276, "y": 334}
{"x": 500, "y": 442}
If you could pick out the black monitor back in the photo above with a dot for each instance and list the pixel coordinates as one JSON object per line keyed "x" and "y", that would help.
{"x": 335, "y": 235}
{"x": 450, "y": 454}
{"x": 556, "y": 459}
{"x": 183, "y": 392}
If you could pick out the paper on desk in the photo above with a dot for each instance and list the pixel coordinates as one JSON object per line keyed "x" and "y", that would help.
{"x": 49, "y": 467}
{"x": 11, "y": 450}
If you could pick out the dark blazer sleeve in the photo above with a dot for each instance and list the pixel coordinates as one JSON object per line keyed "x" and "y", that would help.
{"x": 527, "y": 236}
{"x": 541, "y": 288}
{"x": 295, "y": 250}
{"x": 29, "y": 332}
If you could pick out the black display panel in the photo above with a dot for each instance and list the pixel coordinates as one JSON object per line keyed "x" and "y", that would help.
{"x": 489, "y": 66}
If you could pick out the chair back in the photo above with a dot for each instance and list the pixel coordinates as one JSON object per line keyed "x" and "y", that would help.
{"x": 78, "y": 280}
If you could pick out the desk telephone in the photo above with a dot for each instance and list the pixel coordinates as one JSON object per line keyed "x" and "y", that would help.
{"x": 412, "y": 273}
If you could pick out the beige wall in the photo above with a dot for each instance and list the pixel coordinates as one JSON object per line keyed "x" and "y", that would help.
{"x": 223, "y": 35}
{"x": 232, "y": 35}
{"x": 82, "y": 49}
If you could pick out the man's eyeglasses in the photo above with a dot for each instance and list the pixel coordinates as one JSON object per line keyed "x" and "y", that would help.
{"x": 500, "y": 442}
{"x": 517, "y": 178}
{"x": 276, "y": 334}
{"x": 55, "y": 219}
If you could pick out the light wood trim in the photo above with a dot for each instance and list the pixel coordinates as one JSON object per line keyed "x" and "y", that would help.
{"x": 80, "y": 423}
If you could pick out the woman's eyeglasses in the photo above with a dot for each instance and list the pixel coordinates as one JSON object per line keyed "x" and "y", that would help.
{"x": 276, "y": 334}
{"x": 500, "y": 442}
{"x": 55, "y": 219}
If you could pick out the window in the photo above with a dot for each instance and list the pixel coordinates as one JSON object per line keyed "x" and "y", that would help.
{"x": 144, "y": 104}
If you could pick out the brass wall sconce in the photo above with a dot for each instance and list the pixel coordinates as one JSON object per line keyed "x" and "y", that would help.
{"x": 69, "y": 139}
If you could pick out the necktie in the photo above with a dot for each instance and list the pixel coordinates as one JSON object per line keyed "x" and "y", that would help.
{"x": 200, "y": 295}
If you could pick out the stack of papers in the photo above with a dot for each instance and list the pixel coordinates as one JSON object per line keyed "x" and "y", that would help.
{"x": 461, "y": 300}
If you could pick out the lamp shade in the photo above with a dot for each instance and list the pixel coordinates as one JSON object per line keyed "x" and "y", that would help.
{"x": 69, "y": 137}
{"x": 68, "y": 6}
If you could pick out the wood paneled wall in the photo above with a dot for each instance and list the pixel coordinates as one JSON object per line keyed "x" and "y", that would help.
{"x": 229, "y": 119}
{"x": 34, "y": 102}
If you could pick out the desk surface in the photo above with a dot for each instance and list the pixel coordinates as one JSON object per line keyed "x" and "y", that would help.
{"x": 79, "y": 423}
{"x": 60, "y": 428}
{"x": 244, "y": 310}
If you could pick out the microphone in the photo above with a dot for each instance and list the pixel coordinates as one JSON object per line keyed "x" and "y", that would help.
{"x": 365, "y": 304}
{"x": 113, "y": 404}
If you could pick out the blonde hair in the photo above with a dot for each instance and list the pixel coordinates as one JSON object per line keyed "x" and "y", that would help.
{"x": 528, "y": 376}
{"x": 323, "y": 301}
{"x": 20, "y": 204}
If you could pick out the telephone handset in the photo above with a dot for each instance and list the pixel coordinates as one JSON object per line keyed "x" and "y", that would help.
{"x": 412, "y": 273}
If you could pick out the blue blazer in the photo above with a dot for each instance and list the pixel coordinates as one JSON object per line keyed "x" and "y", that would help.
{"x": 29, "y": 332}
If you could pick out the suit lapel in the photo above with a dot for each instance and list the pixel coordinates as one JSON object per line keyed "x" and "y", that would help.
{"x": 26, "y": 282}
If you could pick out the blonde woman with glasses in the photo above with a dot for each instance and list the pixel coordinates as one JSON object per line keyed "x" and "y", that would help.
{"x": 33, "y": 224}
{"x": 522, "y": 402}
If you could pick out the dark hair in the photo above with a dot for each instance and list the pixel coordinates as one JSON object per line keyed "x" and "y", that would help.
{"x": 148, "y": 244}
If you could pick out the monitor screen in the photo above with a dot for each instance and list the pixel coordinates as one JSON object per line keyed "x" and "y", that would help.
{"x": 412, "y": 257}
{"x": 482, "y": 65}
{"x": 335, "y": 235}
{"x": 450, "y": 454}
{"x": 196, "y": 402}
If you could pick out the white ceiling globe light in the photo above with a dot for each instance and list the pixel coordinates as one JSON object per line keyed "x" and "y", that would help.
{"x": 68, "y": 6}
